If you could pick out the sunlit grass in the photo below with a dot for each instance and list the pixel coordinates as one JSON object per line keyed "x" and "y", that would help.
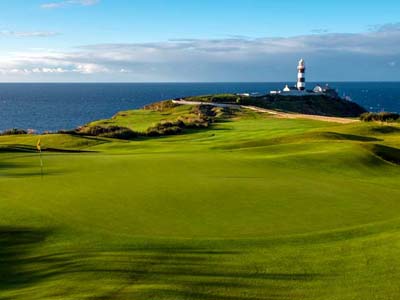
{"x": 253, "y": 208}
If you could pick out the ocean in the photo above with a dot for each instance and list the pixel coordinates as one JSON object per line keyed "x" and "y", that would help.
{"x": 55, "y": 106}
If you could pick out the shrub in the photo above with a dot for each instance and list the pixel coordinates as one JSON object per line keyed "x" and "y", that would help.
{"x": 64, "y": 131}
{"x": 115, "y": 132}
{"x": 194, "y": 122}
{"x": 14, "y": 131}
{"x": 161, "y": 106}
{"x": 219, "y": 98}
{"x": 223, "y": 112}
{"x": 166, "y": 128}
{"x": 212, "y": 112}
{"x": 380, "y": 117}
{"x": 225, "y": 98}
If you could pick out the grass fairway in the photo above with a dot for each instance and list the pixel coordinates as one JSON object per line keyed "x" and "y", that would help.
{"x": 255, "y": 207}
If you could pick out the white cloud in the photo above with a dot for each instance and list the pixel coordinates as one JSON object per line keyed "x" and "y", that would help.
{"x": 25, "y": 34}
{"x": 90, "y": 69}
{"x": 60, "y": 4}
{"x": 333, "y": 56}
{"x": 385, "y": 27}
{"x": 320, "y": 30}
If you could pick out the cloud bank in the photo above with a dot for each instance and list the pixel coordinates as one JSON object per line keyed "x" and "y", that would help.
{"x": 372, "y": 55}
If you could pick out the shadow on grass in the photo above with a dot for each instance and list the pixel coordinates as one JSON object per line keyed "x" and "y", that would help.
{"x": 389, "y": 154}
{"x": 151, "y": 272}
{"x": 187, "y": 273}
{"x": 32, "y": 174}
{"x": 385, "y": 129}
{"x": 349, "y": 137}
{"x": 16, "y": 246}
{"x": 8, "y": 165}
{"x": 21, "y": 170}
{"x": 19, "y": 148}
{"x": 185, "y": 132}
{"x": 99, "y": 140}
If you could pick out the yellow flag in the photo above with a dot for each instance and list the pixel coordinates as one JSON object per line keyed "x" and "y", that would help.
{"x": 39, "y": 146}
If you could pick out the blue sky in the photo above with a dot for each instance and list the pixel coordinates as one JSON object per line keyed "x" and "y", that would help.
{"x": 198, "y": 40}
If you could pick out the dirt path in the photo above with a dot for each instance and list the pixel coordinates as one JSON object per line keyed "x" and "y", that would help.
{"x": 278, "y": 114}
{"x": 184, "y": 102}
{"x": 302, "y": 116}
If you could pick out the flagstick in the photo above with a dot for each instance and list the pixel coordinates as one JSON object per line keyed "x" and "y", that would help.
{"x": 41, "y": 162}
{"x": 39, "y": 148}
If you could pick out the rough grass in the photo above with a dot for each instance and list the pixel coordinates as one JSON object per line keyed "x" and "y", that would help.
{"x": 141, "y": 120}
{"x": 218, "y": 98}
{"x": 252, "y": 208}
{"x": 380, "y": 117}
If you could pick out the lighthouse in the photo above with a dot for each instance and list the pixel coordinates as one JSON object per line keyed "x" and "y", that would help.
{"x": 301, "y": 78}
{"x": 299, "y": 90}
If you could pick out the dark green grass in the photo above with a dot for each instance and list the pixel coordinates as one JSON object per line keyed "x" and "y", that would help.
{"x": 252, "y": 208}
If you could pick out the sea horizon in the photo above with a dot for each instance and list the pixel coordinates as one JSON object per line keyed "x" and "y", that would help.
{"x": 57, "y": 106}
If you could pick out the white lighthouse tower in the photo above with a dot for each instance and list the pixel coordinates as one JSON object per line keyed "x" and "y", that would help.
{"x": 301, "y": 78}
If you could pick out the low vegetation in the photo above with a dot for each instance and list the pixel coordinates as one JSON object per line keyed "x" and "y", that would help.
{"x": 380, "y": 117}
{"x": 166, "y": 128}
{"x": 218, "y": 98}
{"x": 14, "y": 131}
{"x": 162, "y": 106}
{"x": 115, "y": 132}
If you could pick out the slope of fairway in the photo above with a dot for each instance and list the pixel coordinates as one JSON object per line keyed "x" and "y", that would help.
{"x": 253, "y": 208}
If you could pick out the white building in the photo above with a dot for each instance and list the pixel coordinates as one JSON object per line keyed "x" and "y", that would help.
{"x": 318, "y": 89}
